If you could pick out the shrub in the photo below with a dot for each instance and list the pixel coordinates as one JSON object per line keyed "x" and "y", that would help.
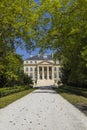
{"x": 11, "y": 90}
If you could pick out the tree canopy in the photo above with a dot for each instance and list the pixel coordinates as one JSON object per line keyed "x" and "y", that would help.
{"x": 17, "y": 21}
{"x": 64, "y": 30}
{"x": 60, "y": 25}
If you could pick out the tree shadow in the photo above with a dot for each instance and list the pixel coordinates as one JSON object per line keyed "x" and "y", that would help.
{"x": 82, "y": 108}
{"x": 45, "y": 89}
{"x": 71, "y": 91}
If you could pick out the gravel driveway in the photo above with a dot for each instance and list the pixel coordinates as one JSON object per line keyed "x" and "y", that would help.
{"x": 43, "y": 109}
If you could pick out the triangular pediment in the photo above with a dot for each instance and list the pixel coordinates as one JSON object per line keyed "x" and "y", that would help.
{"x": 45, "y": 63}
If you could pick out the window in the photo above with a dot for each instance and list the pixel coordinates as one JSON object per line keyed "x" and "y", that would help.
{"x": 31, "y": 62}
{"x": 40, "y": 76}
{"x": 40, "y": 69}
{"x": 55, "y": 69}
{"x": 45, "y": 76}
{"x": 35, "y": 75}
{"x": 31, "y": 69}
{"x": 26, "y": 69}
{"x": 45, "y": 68}
{"x": 26, "y": 61}
{"x": 35, "y": 69}
{"x": 35, "y": 62}
{"x": 55, "y": 75}
{"x": 50, "y": 76}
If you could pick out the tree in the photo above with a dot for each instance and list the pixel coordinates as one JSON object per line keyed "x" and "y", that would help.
{"x": 27, "y": 81}
{"x": 63, "y": 28}
{"x": 12, "y": 68}
{"x": 17, "y": 21}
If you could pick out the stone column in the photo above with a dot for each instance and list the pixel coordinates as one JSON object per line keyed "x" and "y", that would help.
{"x": 42, "y": 72}
{"x": 33, "y": 73}
{"x": 57, "y": 73}
{"x": 47, "y": 72}
{"x": 38, "y": 72}
{"x": 52, "y": 72}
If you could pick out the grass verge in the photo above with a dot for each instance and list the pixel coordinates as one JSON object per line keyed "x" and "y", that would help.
{"x": 76, "y": 96}
{"x": 4, "y": 101}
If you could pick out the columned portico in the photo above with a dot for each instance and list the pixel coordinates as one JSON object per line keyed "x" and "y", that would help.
{"x": 45, "y": 72}
{"x": 45, "y": 75}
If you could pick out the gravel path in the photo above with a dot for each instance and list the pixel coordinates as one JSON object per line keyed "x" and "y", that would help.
{"x": 42, "y": 110}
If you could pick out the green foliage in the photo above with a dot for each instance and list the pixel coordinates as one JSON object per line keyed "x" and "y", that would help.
{"x": 17, "y": 19}
{"x": 66, "y": 34}
{"x": 17, "y": 22}
{"x": 11, "y": 90}
{"x": 8, "y": 91}
{"x": 59, "y": 82}
{"x": 27, "y": 81}
{"x": 11, "y": 67}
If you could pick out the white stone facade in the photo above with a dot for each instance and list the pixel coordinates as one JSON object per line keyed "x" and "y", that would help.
{"x": 44, "y": 71}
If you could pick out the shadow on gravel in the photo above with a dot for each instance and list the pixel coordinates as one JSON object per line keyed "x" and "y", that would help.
{"x": 45, "y": 89}
{"x": 82, "y": 108}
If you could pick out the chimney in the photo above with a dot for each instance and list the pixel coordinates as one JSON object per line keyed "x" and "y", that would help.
{"x": 39, "y": 55}
{"x": 52, "y": 55}
{"x": 31, "y": 55}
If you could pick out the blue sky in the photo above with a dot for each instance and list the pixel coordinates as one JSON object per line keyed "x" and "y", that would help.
{"x": 26, "y": 54}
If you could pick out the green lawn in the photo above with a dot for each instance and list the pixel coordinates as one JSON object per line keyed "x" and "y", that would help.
{"x": 73, "y": 94}
{"x": 4, "y": 101}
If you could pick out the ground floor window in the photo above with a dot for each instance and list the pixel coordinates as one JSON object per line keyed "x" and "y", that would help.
{"x": 50, "y": 77}
{"x": 40, "y": 76}
{"x": 26, "y": 69}
{"x": 55, "y": 75}
{"x": 45, "y": 77}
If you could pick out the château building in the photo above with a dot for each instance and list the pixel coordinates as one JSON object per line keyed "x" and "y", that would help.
{"x": 43, "y": 70}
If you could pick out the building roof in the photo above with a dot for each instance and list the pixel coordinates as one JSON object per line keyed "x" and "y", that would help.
{"x": 40, "y": 57}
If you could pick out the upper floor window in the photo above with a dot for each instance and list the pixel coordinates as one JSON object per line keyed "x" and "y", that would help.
{"x": 55, "y": 75}
{"x": 55, "y": 69}
{"x": 31, "y": 62}
{"x": 35, "y": 69}
{"x": 26, "y": 69}
{"x": 31, "y": 69}
{"x": 35, "y": 62}
{"x": 27, "y": 61}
